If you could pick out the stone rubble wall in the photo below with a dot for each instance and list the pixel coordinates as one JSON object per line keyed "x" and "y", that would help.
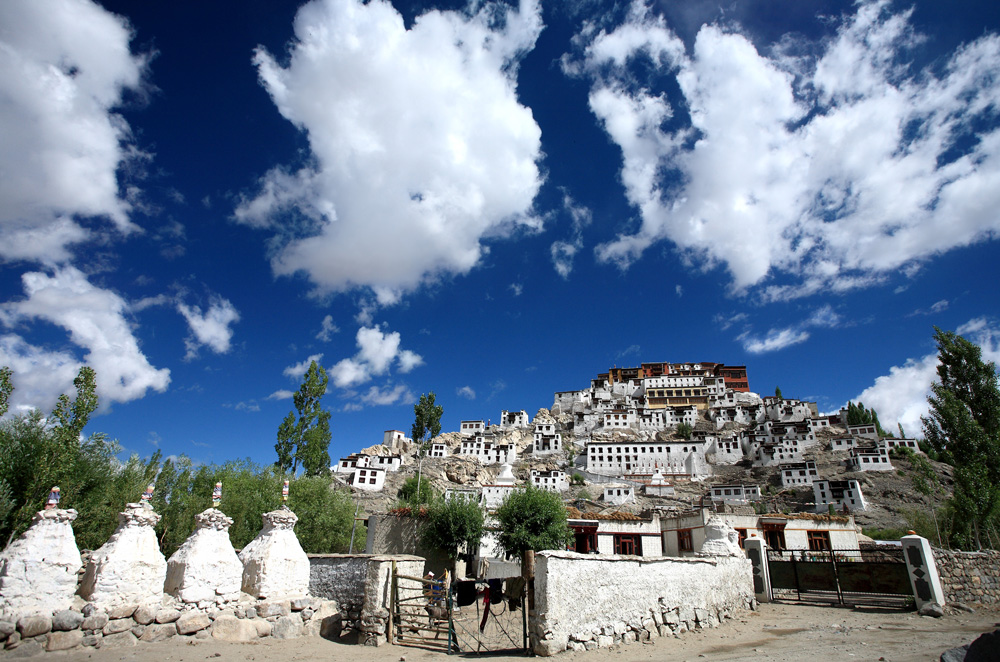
{"x": 361, "y": 585}
{"x": 583, "y": 602}
{"x": 126, "y": 625}
{"x": 969, "y": 577}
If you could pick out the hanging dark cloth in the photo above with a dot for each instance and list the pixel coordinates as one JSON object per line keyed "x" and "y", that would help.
{"x": 496, "y": 589}
{"x": 513, "y": 590}
{"x": 465, "y": 593}
{"x": 486, "y": 608}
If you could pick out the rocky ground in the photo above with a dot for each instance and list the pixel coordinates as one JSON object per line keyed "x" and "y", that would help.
{"x": 774, "y": 633}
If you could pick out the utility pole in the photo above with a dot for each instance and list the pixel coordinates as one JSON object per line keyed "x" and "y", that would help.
{"x": 420, "y": 463}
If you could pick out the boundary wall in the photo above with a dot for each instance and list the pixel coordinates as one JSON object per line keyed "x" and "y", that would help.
{"x": 584, "y": 602}
{"x": 969, "y": 577}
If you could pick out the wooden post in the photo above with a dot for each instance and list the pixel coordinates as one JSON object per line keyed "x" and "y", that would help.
{"x": 393, "y": 605}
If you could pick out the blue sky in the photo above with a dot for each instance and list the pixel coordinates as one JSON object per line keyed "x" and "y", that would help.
{"x": 491, "y": 201}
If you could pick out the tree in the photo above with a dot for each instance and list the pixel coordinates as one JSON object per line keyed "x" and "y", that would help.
{"x": 72, "y": 417}
{"x": 427, "y": 418}
{"x": 532, "y": 518}
{"x": 964, "y": 427}
{"x": 777, "y": 392}
{"x": 684, "y": 430}
{"x": 857, "y": 414}
{"x": 306, "y": 440}
{"x": 453, "y": 523}
{"x": 6, "y": 388}
{"x": 415, "y": 492}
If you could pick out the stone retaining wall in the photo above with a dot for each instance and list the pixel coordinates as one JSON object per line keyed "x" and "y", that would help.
{"x": 124, "y": 626}
{"x": 360, "y": 584}
{"x": 584, "y": 602}
{"x": 969, "y": 577}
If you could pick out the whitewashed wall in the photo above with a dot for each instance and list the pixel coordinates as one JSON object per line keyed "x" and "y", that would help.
{"x": 584, "y": 601}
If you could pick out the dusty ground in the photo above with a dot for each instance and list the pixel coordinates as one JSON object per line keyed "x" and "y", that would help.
{"x": 773, "y": 633}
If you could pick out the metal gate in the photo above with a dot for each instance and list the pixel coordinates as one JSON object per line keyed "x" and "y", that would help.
{"x": 496, "y": 619}
{"x": 846, "y": 577}
{"x": 420, "y": 615}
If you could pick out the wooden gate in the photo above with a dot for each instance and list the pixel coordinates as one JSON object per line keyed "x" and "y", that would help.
{"x": 847, "y": 577}
{"x": 492, "y": 618}
{"x": 420, "y": 613}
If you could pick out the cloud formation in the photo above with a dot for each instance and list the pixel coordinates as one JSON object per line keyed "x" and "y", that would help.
{"x": 564, "y": 251}
{"x": 776, "y": 339}
{"x": 810, "y": 165}
{"x": 466, "y": 392}
{"x": 298, "y": 370}
{"x": 419, "y": 149}
{"x": 209, "y": 329}
{"x": 96, "y": 321}
{"x": 377, "y": 351}
{"x": 901, "y": 396}
{"x": 64, "y": 67}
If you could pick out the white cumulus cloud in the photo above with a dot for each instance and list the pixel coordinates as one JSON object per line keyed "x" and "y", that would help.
{"x": 377, "y": 351}
{"x": 327, "y": 329}
{"x": 95, "y": 320}
{"x": 211, "y": 328}
{"x": 419, "y": 148}
{"x": 776, "y": 339}
{"x": 807, "y": 166}
{"x": 466, "y": 392}
{"x": 901, "y": 396}
{"x": 298, "y": 370}
{"x": 64, "y": 67}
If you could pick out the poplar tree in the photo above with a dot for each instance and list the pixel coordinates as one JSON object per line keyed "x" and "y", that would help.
{"x": 964, "y": 427}
{"x": 427, "y": 418}
{"x": 305, "y": 440}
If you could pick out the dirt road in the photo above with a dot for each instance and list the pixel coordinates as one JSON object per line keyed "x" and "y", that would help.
{"x": 773, "y": 633}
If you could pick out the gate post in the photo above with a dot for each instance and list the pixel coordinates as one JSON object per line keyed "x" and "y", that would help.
{"x": 923, "y": 573}
{"x": 756, "y": 551}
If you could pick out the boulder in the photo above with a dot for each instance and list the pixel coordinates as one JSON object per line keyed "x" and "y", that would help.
{"x": 119, "y": 640}
{"x": 192, "y": 621}
{"x": 167, "y": 615}
{"x": 38, "y": 571}
{"x": 33, "y": 625}
{"x": 129, "y": 567}
{"x": 158, "y": 632}
{"x": 230, "y": 628}
{"x": 66, "y": 619}
{"x": 287, "y": 627}
{"x": 61, "y": 641}
{"x": 145, "y": 614}
{"x": 94, "y": 622}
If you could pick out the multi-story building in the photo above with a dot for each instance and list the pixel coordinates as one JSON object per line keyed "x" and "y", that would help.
{"x": 553, "y": 481}
{"x": 369, "y": 479}
{"x": 472, "y": 427}
{"x": 439, "y": 450}
{"x": 870, "y": 458}
{"x": 351, "y": 462}
{"x": 386, "y": 462}
{"x": 735, "y": 494}
{"x": 547, "y": 440}
{"x": 841, "y": 494}
{"x": 798, "y": 473}
{"x": 514, "y": 419}
{"x": 635, "y": 457}
{"x": 487, "y": 452}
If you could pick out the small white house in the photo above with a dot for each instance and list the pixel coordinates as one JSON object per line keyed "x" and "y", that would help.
{"x": 868, "y": 459}
{"x": 866, "y": 430}
{"x": 394, "y": 438}
{"x": 439, "y": 450}
{"x": 351, "y": 462}
{"x": 472, "y": 427}
{"x": 467, "y": 493}
{"x": 514, "y": 419}
{"x": 892, "y": 443}
{"x": 843, "y": 443}
{"x": 619, "y": 494}
{"x": 547, "y": 440}
{"x": 553, "y": 481}
{"x": 840, "y": 494}
{"x": 369, "y": 479}
{"x": 386, "y": 462}
{"x": 735, "y": 494}
{"x": 798, "y": 473}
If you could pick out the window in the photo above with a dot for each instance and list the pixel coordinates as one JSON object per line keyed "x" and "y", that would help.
{"x": 819, "y": 540}
{"x": 627, "y": 544}
{"x": 685, "y": 543}
{"x": 774, "y": 535}
{"x": 743, "y": 536}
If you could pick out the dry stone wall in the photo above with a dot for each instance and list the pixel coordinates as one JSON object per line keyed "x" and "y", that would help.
{"x": 584, "y": 602}
{"x": 360, "y": 584}
{"x": 969, "y": 577}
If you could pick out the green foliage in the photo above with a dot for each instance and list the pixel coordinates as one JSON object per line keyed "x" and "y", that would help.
{"x": 326, "y": 515}
{"x": 408, "y": 492}
{"x": 427, "y": 418}
{"x": 577, "y": 479}
{"x": 858, "y": 414}
{"x": 454, "y": 523}
{"x": 532, "y": 518}
{"x": 885, "y": 534}
{"x": 924, "y": 479}
{"x": 6, "y": 388}
{"x": 777, "y": 392}
{"x": 306, "y": 440}
{"x": 964, "y": 429}
{"x": 684, "y": 430}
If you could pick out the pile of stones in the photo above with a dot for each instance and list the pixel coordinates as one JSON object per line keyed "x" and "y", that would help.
{"x": 88, "y": 625}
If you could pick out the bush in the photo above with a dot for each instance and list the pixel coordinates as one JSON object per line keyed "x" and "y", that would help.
{"x": 408, "y": 492}
{"x": 532, "y": 518}
{"x": 454, "y": 523}
{"x": 684, "y": 430}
